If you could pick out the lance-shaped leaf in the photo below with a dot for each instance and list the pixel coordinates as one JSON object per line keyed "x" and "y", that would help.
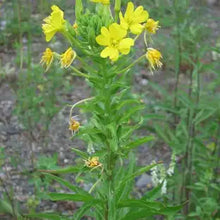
{"x": 138, "y": 142}
{"x": 65, "y": 170}
{"x": 138, "y": 173}
{"x": 71, "y": 197}
{"x": 133, "y": 203}
{"x": 78, "y": 8}
{"x": 49, "y": 216}
{"x": 80, "y": 153}
{"x": 67, "y": 184}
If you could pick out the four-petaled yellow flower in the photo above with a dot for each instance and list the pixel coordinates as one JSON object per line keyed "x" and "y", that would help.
{"x": 115, "y": 41}
{"x": 104, "y": 2}
{"x": 152, "y": 26}
{"x": 47, "y": 58}
{"x": 133, "y": 19}
{"x": 93, "y": 162}
{"x": 154, "y": 57}
{"x": 53, "y": 23}
{"x": 74, "y": 125}
{"x": 67, "y": 58}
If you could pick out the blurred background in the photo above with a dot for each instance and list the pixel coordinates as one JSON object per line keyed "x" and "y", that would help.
{"x": 182, "y": 105}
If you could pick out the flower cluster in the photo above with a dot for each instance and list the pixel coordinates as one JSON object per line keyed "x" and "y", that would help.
{"x": 53, "y": 24}
{"x": 93, "y": 162}
{"x": 115, "y": 38}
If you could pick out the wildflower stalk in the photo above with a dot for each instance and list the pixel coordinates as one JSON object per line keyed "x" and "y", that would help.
{"x": 79, "y": 73}
{"x": 132, "y": 64}
{"x": 107, "y": 132}
{"x": 179, "y": 57}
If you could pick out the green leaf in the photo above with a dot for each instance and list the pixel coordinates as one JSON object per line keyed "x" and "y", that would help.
{"x": 49, "y": 216}
{"x": 137, "y": 173}
{"x": 203, "y": 115}
{"x": 141, "y": 213}
{"x": 138, "y": 142}
{"x": 67, "y": 184}
{"x": 152, "y": 194}
{"x": 126, "y": 102}
{"x": 70, "y": 169}
{"x": 170, "y": 210}
{"x": 154, "y": 116}
{"x": 70, "y": 197}
{"x": 146, "y": 212}
{"x": 5, "y": 207}
{"x": 80, "y": 153}
{"x": 162, "y": 134}
{"x": 129, "y": 113}
{"x": 82, "y": 210}
{"x": 155, "y": 206}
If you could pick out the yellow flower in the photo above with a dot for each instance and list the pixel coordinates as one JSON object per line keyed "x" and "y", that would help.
{"x": 47, "y": 58}
{"x": 75, "y": 25}
{"x": 93, "y": 162}
{"x": 133, "y": 18}
{"x": 113, "y": 39}
{"x": 53, "y": 23}
{"x": 74, "y": 125}
{"x": 154, "y": 57}
{"x": 67, "y": 58}
{"x": 152, "y": 26}
{"x": 104, "y": 2}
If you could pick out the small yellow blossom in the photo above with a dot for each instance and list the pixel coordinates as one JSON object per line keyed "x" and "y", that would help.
{"x": 114, "y": 40}
{"x": 47, "y": 58}
{"x": 74, "y": 125}
{"x": 104, "y": 2}
{"x": 75, "y": 26}
{"x": 67, "y": 58}
{"x": 53, "y": 23}
{"x": 154, "y": 57}
{"x": 152, "y": 26}
{"x": 133, "y": 19}
{"x": 93, "y": 162}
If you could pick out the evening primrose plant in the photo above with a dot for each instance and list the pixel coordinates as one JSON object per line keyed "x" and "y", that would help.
{"x": 103, "y": 41}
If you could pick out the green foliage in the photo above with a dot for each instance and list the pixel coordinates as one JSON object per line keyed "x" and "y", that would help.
{"x": 188, "y": 119}
{"x": 37, "y": 101}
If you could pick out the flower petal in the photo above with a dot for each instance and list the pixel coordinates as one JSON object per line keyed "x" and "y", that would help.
{"x": 110, "y": 52}
{"x": 106, "y": 52}
{"x": 140, "y": 15}
{"x": 136, "y": 28}
{"x": 114, "y": 54}
{"x": 125, "y": 45}
{"x": 117, "y": 32}
{"x": 129, "y": 10}
{"x": 123, "y": 23}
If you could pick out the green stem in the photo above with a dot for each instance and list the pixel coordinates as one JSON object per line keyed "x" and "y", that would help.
{"x": 179, "y": 58}
{"x": 79, "y": 73}
{"x": 117, "y": 9}
{"x": 131, "y": 65}
{"x": 85, "y": 65}
{"x": 79, "y": 102}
